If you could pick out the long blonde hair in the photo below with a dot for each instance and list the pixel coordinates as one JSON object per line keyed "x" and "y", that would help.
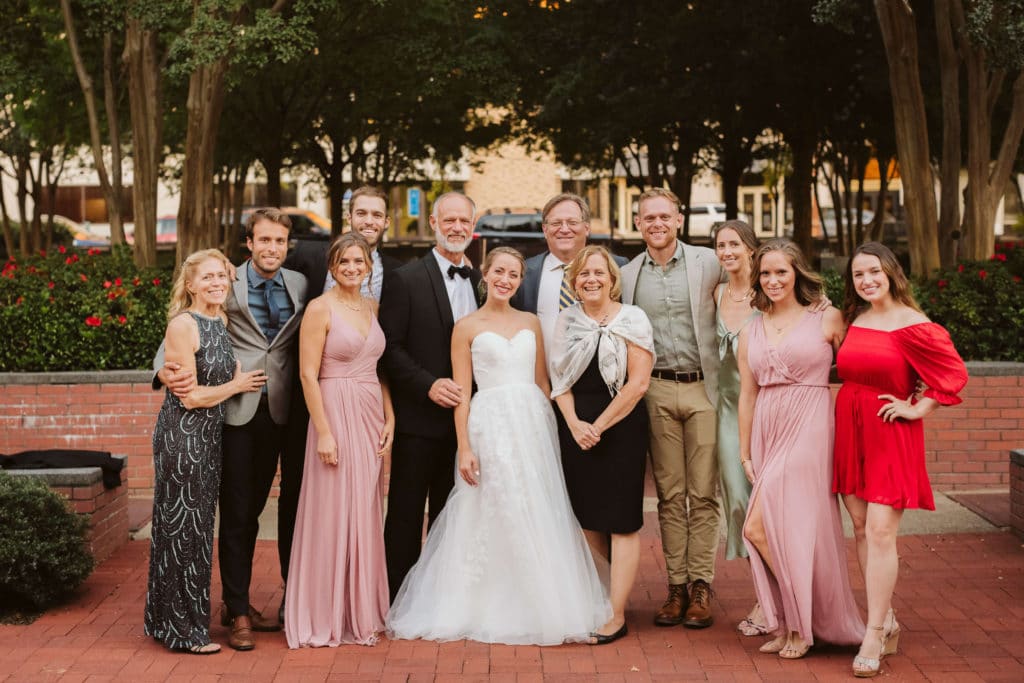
{"x": 181, "y": 298}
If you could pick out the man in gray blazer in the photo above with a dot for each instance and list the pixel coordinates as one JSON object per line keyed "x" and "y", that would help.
{"x": 264, "y": 312}
{"x": 674, "y": 284}
{"x": 566, "y": 222}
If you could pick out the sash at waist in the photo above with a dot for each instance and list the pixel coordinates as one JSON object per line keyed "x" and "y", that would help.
{"x": 370, "y": 376}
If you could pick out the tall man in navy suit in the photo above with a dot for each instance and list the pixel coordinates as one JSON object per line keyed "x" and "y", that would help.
{"x": 419, "y": 307}
{"x": 566, "y": 222}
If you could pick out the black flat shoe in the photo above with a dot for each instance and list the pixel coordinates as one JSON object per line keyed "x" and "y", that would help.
{"x": 601, "y": 639}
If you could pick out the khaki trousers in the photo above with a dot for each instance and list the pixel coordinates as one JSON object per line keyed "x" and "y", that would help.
{"x": 685, "y": 465}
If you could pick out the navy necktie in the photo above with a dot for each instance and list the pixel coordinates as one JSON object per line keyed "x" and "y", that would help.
{"x": 273, "y": 311}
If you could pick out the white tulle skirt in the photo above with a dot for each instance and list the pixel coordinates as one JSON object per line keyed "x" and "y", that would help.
{"x": 506, "y": 561}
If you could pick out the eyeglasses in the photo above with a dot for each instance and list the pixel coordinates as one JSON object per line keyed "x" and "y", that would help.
{"x": 571, "y": 223}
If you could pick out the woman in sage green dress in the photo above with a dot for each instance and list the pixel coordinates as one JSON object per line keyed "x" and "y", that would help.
{"x": 735, "y": 243}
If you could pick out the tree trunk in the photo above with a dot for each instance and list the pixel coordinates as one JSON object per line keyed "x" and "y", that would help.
{"x": 986, "y": 181}
{"x": 145, "y": 99}
{"x": 197, "y": 228}
{"x": 21, "y": 193}
{"x": 876, "y": 228}
{"x": 899, "y": 35}
{"x": 682, "y": 182}
{"x": 111, "y": 193}
{"x": 236, "y": 235}
{"x": 272, "y": 166}
{"x": 948, "y": 22}
{"x": 802, "y": 143}
{"x": 5, "y": 221}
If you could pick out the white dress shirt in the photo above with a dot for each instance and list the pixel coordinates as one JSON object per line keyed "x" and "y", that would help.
{"x": 547, "y": 298}
{"x": 460, "y": 289}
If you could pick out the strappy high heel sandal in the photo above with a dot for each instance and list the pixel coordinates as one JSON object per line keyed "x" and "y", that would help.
{"x": 892, "y": 634}
{"x": 868, "y": 667}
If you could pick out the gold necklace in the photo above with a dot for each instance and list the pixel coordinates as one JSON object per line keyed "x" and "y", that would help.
{"x": 602, "y": 321}
{"x": 728, "y": 290}
{"x": 349, "y": 306}
{"x": 778, "y": 330}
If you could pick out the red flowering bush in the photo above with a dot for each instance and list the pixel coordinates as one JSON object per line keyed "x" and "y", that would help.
{"x": 80, "y": 310}
{"x": 981, "y": 304}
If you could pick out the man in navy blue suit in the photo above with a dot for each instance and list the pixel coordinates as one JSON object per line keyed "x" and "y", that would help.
{"x": 566, "y": 219}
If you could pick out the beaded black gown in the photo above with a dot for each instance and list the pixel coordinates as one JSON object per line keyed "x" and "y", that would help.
{"x": 186, "y": 463}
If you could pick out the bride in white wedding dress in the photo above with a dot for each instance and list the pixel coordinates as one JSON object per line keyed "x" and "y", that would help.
{"x": 505, "y": 562}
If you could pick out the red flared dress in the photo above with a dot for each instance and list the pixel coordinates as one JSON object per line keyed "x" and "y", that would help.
{"x": 878, "y": 461}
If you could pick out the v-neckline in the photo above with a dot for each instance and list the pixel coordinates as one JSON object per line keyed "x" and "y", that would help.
{"x": 352, "y": 327}
{"x": 778, "y": 343}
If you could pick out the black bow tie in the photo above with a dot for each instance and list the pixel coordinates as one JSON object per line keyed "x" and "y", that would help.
{"x": 464, "y": 271}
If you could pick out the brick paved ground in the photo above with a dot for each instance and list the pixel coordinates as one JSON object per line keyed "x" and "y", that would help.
{"x": 960, "y": 600}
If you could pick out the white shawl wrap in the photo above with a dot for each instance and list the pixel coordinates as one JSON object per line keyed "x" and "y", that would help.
{"x": 577, "y": 337}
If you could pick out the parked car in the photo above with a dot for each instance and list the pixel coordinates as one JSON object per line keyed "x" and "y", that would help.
{"x": 704, "y": 218}
{"x": 521, "y": 230}
{"x": 306, "y": 224}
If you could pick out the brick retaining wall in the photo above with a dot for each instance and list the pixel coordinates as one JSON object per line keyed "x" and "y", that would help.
{"x": 106, "y": 509}
{"x": 116, "y": 411}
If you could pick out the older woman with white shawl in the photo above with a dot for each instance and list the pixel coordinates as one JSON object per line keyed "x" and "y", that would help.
{"x": 602, "y": 356}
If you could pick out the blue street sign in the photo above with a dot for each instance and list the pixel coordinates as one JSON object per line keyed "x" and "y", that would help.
{"x": 412, "y": 198}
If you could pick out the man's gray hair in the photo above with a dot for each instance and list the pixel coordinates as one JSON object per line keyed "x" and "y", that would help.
{"x": 446, "y": 195}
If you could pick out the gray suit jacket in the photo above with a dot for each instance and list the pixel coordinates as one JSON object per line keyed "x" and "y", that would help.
{"x": 703, "y": 273}
{"x": 250, "y": 346}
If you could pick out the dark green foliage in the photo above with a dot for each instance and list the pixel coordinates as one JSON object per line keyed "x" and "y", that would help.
{"x": 74, "y": 310}
{"x": 43, "y": 553}
{"x": 982, "y": 305}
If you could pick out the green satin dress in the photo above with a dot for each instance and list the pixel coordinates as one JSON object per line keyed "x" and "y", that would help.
{"x": 734, "y": 484}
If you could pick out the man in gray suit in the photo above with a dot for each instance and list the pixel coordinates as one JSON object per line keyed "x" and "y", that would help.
{"x": 264, "y": 312}
{"x": 566, "y": 222}
{"x": 674, "y": 284}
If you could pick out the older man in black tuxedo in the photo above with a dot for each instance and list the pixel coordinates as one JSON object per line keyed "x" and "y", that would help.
{"x": 420, "y": 305}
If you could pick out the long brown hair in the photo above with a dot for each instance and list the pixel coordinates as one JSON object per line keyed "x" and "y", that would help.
{"x": 808, "y": 287}
{"x": 899, "y": 285}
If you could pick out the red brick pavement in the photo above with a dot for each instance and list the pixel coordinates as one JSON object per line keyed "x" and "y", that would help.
{"x": 960, "y": 599}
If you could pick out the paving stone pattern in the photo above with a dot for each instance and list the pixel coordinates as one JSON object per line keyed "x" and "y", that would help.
{"x": 960, "y": 600}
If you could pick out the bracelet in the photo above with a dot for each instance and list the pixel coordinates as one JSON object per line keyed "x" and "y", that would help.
{"x": 744, "y": 460}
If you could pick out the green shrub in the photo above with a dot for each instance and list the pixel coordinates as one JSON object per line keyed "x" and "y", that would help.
{"x": 43, "y": 551}
{"x": 982, "y": 306}
{"x": 80, "y": 310}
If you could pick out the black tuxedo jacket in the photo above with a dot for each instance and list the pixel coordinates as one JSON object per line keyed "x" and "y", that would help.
{"x": 309, "y": 257}
{"x": 417, "y": 320}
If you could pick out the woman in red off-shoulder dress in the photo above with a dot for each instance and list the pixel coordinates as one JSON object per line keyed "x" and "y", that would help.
{"x": 879, "y": 448}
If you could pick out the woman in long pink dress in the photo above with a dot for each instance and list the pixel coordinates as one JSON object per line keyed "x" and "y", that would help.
{"x": 879, "y": 455}
{"x": 793, "y": 530}
{"x": 338, "y": 588}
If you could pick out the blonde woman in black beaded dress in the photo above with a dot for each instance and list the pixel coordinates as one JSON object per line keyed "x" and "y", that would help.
{"x": 186, "y": 456}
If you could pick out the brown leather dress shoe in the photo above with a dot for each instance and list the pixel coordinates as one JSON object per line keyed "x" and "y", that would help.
{"x": 698, "y": 614}
{"x": 241, "y": 634}
{"x": 672, "y": 612}
{"x": 262, "y": 623}
{"x": 257, "y": 621}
